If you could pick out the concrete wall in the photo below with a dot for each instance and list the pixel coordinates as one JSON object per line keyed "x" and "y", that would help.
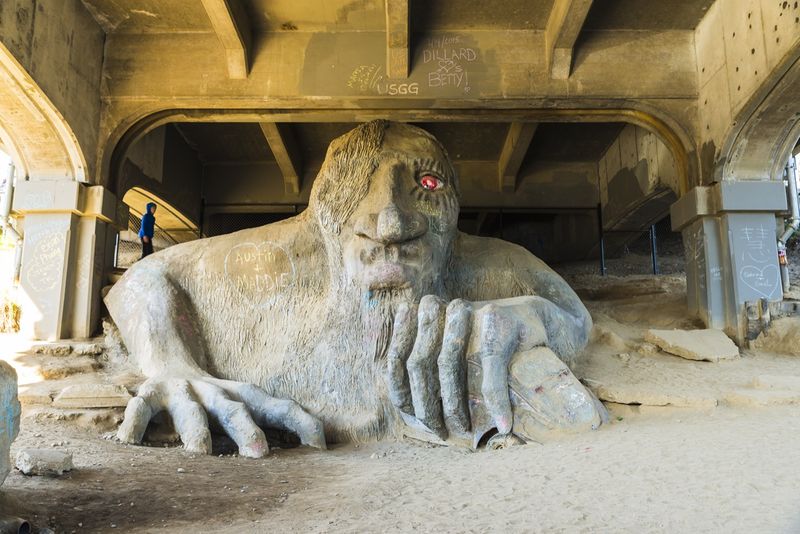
{"x": 164, "y": 164}
{"x": 544, "y": 184}
{"x": 252, "y": 183}
{"x": 546, "y": 234}
{"x": 61, "y": 46}
{"x": 540, "y": 184}
{"x": 634, "y": 167}
{"x": 739, "y": 44}
{"x": 148, "y": 154}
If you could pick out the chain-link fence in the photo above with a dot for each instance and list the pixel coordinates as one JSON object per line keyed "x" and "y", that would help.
{"x": 652, "y": 250}
{"x": 225, "y": 223}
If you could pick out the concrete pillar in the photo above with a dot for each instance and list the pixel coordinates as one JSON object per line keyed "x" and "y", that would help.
{"x": 730, "y": 242}
{"x": 64, "y": 256}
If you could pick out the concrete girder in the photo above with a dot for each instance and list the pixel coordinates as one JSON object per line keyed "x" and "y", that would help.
{"x": 284, "y": 147}
{"x": 397, "y": 39}
{"x": 520, "y": 135}
{"x": 233, "y": 31}
{"x": 668, "y": 126}
{"x": 299, "y": 65}
{"x": 563, "y": 27}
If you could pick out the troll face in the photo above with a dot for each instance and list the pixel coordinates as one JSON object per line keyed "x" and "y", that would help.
{"x": 398, "y": 235}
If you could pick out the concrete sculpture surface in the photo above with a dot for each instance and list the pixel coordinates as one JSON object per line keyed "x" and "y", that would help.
{"x": 367, "y": 314}
{"x": 9, "y": 418}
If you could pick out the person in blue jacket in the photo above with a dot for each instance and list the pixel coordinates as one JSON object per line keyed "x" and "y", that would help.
{"x": 147, "y": 228}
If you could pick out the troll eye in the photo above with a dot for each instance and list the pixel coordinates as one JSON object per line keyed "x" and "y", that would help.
{"x": 430, "y": 182}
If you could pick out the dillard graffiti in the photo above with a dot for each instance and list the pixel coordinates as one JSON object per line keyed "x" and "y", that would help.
{"x": 449, "y": 61}
{"x": 443, "y": 63}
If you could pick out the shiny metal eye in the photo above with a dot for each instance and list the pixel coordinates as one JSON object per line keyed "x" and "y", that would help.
{"x": 430, "y": 182}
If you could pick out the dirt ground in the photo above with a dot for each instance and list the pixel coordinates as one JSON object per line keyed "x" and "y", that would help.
{"x": 691, "y": 447}
{"x": 730, "y": 471}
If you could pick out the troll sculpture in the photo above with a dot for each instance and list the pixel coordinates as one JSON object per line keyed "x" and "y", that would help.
{"x": 367, "y": 315}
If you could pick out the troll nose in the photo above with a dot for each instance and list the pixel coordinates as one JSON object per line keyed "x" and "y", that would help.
{"x": 391, "y": 225}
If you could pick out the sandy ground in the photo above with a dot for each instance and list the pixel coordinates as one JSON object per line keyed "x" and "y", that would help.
{"x": 732, "y": 471}
{"x": 696, "y": 448}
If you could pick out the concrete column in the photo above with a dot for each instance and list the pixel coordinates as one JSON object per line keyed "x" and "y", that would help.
{"x": 730, "y": 242}
{"x": 64, "y": 256}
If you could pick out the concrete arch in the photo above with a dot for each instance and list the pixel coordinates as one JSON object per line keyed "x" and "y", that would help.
{"x": 675, "y": 137}
{"x": 35, "y": 133}
{"x": 170, "y": 218}
{"x": 766, "y": 129}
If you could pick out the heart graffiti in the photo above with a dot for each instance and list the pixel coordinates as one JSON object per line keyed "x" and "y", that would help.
{"x": 259, "y": 267}
{"x": 763, "y": 280}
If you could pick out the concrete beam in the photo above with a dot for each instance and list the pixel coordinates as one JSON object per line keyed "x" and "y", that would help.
{"x": 520, "y": 135}
{"x": 397, "y": 39}
{"x": 284, "y": 147}
{"x": 563, "y": 27}
{"x": 233, "y": 31}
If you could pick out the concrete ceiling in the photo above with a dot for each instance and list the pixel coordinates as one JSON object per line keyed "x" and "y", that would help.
{"x": 314, "y": 138}
{"x": 646, "y": 14}
{"x": 301, "y": 64}
{"x": 330, "y": 15}
{"x": 167, "y": 16}
{"x": 467, "y": 141}
{"x": 148, "y": 16}
{"x": 429, "y": 15}
{"x": 572, "y": 141}
{"x": 245, "y": 142}
{"x": 219, "y": 142}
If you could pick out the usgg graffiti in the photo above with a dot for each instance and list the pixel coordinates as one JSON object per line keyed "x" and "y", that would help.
{"x": 392, "y": 89}
{"x": 370, "y": 78}
{"x": 442, "y": 65}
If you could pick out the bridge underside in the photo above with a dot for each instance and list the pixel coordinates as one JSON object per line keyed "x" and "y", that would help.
{"x": 564, "y": 118}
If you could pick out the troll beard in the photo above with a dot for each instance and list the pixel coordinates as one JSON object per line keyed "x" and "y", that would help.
{"x": 352, "y": 398}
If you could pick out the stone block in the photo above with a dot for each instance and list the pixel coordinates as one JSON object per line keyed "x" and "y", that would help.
{"x": 92, "y": 396}
{"x": 709, "y": 345}
{"x": 38, "y": 395}
{"x": 782, "y": 337}
{"x": 53, "y": 349}
{"x": 9, "y": 416}
{"x": 55, "y": 369}
{"x": 88, "y": 349}
{"x": 44, "y": 462}
{"x": 651, "y": 396}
